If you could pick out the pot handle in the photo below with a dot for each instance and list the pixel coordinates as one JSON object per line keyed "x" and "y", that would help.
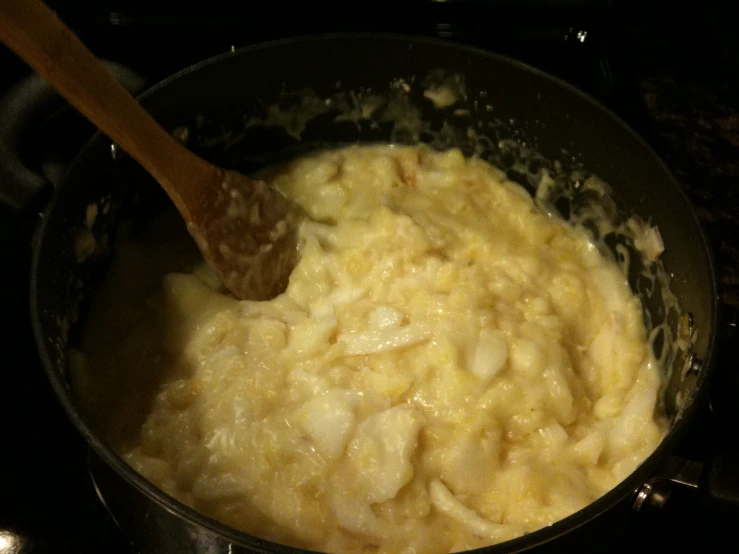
{"x": 23, "y": 110}
{"x": 715, "y": 481}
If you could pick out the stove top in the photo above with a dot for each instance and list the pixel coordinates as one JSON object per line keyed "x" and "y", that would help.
{"x": 678, "y": 92}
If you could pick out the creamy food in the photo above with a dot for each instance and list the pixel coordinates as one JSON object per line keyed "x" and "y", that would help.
{"x": 449, "y": 367}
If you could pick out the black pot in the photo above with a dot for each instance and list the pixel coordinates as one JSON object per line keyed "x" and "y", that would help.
{"x": 214, "y": 99}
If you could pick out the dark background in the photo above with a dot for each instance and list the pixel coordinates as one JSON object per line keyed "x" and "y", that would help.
{"x": 670, "y": 69}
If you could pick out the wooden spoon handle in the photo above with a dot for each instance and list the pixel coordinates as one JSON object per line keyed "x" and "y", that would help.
{"x": 35, "y": 33}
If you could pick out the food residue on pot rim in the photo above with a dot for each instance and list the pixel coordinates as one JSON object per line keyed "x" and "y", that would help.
{"x": 445, "y": 89}
{"x": 84, "y": 241}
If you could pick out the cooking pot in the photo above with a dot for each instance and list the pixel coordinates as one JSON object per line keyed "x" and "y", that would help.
{"x": 261, "y": 104}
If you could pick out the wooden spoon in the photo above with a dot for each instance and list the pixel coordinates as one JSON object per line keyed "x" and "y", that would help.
{"x": 245, "y": 229}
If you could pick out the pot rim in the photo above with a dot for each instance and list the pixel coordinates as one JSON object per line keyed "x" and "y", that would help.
{"x": 530, "y": 540}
